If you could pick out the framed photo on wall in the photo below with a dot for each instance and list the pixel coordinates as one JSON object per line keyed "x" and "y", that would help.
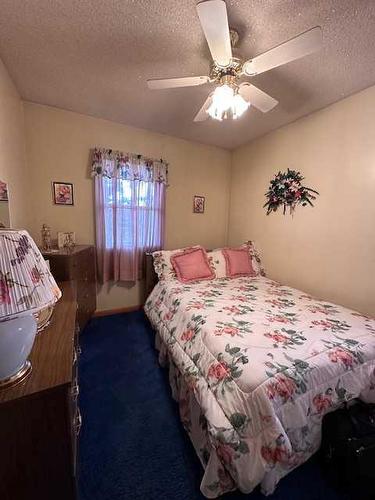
{"x": 3, "y": 191}
{"x": 63, "y": 193}
{"x": 198, "y": 204}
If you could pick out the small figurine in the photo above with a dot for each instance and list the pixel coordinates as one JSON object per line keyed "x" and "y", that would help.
{"x": 46, "y": 238}
{"x": 69, "y": 242}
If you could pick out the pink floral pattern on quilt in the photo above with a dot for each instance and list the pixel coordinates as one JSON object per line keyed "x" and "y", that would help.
{"x": 259, "y": 365}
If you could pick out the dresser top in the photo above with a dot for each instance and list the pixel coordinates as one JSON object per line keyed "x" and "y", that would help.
{"x": 52, "y": 353}
{"x": 65, "y": 251}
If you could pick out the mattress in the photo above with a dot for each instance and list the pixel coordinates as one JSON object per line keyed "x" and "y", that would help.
{"x": 263, "y": 363}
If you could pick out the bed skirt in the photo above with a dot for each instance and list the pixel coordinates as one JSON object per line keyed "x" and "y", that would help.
{"x": 216, "y": 479}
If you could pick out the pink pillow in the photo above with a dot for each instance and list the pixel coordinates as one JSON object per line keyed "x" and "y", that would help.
{"x": 238, "y": 262}
{"x": 192, "y": 265}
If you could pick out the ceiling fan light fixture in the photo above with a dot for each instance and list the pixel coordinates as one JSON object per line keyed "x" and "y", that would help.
{"x": 227, "y": 102}
{"x": 222, "y": 99}
{"x": 239, "y": 106}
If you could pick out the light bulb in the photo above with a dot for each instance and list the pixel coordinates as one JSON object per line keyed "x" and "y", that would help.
{"x": 239, "y": 106}
{"x": 223, "y": 97}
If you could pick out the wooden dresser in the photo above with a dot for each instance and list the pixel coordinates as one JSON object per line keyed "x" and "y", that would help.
{"x": 40, "y": 419}
{"x": 77, "y": 264}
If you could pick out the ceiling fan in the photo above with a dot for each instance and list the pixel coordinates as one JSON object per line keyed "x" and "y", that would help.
{"x": 232, "y": 98}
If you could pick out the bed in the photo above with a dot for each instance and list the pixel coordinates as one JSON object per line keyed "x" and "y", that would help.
{"x": 255, "y": 366}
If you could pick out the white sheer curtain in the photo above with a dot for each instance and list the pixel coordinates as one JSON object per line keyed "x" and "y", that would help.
{"x": 130, "y": 213}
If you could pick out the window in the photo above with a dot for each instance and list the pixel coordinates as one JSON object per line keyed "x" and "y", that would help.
{"x": 130, "y": 210}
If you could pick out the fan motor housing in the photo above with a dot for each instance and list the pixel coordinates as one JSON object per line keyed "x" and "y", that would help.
{"x": 234, "y": 69}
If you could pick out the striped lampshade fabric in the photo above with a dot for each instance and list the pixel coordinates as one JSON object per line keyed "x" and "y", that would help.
{"x": 26, "y": 284}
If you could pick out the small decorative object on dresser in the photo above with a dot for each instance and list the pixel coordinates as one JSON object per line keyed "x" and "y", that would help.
{"x": 26, "y": 287}
{"x": 63, "y": 193}
{"x": 40, "y": 419}
{"x": 77, "y": 264}
{"x": 198, "y": 204}
{"x": 66, "y": 240}
{"x": 46, "y": 238}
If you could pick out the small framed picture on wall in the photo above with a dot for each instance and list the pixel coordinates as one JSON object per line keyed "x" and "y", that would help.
{"x": 63, "y": 193}
{"x": 3, "y": 191}
{"x": 198, "y": 204}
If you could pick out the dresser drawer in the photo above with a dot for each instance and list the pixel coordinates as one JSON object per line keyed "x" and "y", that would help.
{"x": 39, "y": 418}
{"x": 78, "y": 265}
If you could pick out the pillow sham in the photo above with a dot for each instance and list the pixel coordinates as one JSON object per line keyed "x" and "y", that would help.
{"x": 238, "y": 262}
{"x": 192, "y": 265}
{"x": 163, "y": 265}
{"x": 218, "y": 263}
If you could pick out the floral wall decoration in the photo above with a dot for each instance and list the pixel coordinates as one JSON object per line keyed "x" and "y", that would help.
{"x": 286, "y": 190}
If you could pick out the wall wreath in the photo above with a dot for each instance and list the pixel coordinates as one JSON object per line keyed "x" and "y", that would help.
{"x": 286, "y": 190}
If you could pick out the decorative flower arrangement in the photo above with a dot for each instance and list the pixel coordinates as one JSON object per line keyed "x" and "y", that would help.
{"x": 286, "y": 190}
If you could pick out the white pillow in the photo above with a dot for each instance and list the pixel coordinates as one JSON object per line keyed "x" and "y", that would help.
{"x": 217, "y": 262}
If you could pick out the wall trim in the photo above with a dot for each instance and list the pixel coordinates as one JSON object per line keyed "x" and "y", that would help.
{"x": 120, "y": 310}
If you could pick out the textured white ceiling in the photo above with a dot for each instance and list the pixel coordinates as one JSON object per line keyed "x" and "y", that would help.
{"x": 94, "y": 57}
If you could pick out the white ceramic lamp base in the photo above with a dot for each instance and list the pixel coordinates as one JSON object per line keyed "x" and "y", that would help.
{"x": 16, "y": 341}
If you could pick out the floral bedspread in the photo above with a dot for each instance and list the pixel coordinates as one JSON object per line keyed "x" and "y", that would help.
{"x": 264, "y": 363}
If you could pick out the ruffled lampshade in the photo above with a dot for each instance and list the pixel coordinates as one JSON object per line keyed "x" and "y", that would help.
{"x": 26, "y": 287}
{"x": 26, "y": 284}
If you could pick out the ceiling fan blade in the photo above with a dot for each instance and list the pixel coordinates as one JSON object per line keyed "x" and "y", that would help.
{"x": 257, "y": 97}
{"x": 170, "y": 83}
{"x": 214, "y": 20}
{"x": 202, "y": 114}
{"x": 293, "y": 49}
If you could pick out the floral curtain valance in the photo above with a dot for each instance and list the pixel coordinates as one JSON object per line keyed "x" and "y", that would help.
{"x": 127, "y": 166}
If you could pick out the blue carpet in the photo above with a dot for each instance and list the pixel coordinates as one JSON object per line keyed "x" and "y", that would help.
{"x": 132, "y": 445}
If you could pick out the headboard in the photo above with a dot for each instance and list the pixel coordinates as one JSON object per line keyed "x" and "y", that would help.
{"x": 151, "y": 278}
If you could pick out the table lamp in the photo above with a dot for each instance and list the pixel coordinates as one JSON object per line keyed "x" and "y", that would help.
{"x": 26, "y": 287}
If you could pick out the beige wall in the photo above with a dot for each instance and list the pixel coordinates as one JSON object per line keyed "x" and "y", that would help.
{"x": 328, "y": 250}
{"x": 58, "y": 144}
{"x": 12, "y": 150}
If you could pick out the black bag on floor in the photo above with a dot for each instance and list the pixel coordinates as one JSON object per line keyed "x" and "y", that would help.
{"x": 348, "y": 449}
